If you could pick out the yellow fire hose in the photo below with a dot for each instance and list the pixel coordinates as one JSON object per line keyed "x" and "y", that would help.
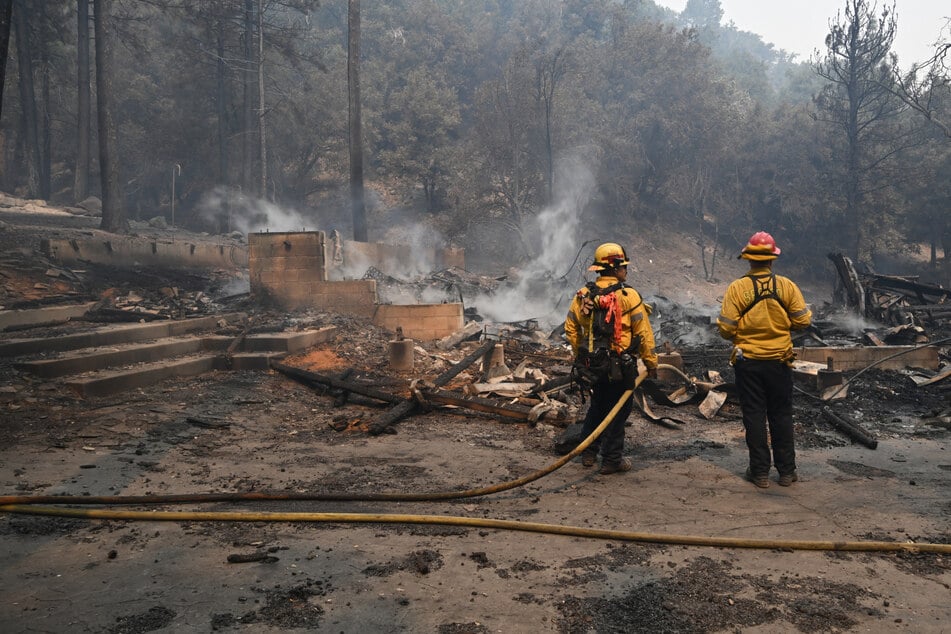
{"x": 450, "y": 520}
{"x": 33, "y": 505}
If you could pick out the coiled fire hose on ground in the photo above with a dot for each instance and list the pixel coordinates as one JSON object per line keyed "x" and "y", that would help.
{"x": 34, "y": 505}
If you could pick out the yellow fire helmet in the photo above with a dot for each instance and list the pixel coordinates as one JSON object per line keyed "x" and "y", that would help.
{"x": 608, "y": 256}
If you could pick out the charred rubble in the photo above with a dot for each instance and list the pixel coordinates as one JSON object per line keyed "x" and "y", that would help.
{"x": 519, "y": 370}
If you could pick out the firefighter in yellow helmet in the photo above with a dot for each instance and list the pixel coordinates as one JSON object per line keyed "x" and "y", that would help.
{"x": 608, "y": 327}
{"x": 759, "y": 311}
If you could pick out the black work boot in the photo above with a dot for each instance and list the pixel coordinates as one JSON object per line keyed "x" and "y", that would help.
{"x": 620, "y": 467}
{"x": 786, "y": 479}
{"x": 760, "y": 479}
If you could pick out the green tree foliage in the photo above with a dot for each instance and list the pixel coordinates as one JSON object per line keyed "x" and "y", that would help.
{"x": 469, "y": 106}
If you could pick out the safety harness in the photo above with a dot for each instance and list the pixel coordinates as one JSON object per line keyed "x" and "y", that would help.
{"x": 764, "y": 287}
{"x": 601, "y": 357}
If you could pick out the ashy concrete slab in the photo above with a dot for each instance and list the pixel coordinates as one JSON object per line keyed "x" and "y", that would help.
{"x": 42, "y": 316}
{"x": 111, "y": 382}
{"x": 113, "y": 335}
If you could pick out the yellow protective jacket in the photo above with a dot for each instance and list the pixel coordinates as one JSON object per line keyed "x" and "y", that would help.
{"x": 634, "y": 321}
{"x": 760, "y": 330}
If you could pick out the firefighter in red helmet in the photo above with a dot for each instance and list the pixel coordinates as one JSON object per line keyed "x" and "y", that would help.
{"x": 759, "y": 311}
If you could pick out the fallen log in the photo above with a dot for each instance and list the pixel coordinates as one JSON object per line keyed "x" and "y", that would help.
{"x": 516, "y": 412}
{"x": 850, "y": 429}
{"x": 401, "y": 410}
{"x": 306, "y": 376}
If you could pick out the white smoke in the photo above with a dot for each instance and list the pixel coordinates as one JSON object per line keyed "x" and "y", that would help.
{"x": 354, "y": 267}
{"x": 852, "y": 323}
{"x": 232, "y": 210}
{"x": 535, "y": 294}
{"x": 236, "y": 286}
{"x": 409, "y": 253}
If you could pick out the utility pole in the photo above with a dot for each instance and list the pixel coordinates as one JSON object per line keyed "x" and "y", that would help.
{"x": 356, "y": 140}
{"x": 177, "y": 168}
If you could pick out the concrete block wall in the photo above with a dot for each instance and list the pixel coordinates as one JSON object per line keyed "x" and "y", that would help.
{"x": 422, "y": 322}
{"x": 286, "y": 256}
{"x": 115, "y": 250}
{"x": 290, "y": 270}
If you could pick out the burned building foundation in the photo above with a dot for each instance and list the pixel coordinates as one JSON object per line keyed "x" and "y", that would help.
{"x": 294, "y": 269}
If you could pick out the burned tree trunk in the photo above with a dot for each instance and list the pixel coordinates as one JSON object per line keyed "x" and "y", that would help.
{"x": 83, "y": 127}
{"x": 854, "y": 293}
{"x": 113, "y": 218}
{"x": 22, "y": 19}
{"x": 357, "y": 203}
{"x": 6, "y": 15}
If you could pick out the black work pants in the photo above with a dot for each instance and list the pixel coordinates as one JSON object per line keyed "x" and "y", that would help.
{"x": 611, "y": 441}
{"x": 765, "y": 389}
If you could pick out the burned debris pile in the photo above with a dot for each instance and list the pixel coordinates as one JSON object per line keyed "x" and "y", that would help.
{"x": 895, "y": 300}
{"x": 888, "y": 350}
{"x": 449, "y": 285}
{"x": 520, "y": 372}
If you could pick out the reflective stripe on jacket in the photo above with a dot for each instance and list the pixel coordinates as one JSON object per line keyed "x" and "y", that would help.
{"x": 763, "y": 332}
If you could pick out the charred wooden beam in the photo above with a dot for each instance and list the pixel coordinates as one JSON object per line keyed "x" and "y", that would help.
{"x": 517, "y": 412}
{"x": 850, "y": 429}
{"x": 913, "y": 288}
{"x": 306, "y": 376}
{"x": 405, "y": 408}
{"x": 553, "y": 384}
{"x": 937, "y": 309}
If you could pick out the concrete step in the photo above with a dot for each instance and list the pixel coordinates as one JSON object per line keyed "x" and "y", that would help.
{"x": 49, "y": 315}
{"x": 101, "y": 359}
{"x": 113, "y": 335}
{"x": 109, "y": 382}
{"x": 127, "y": 366}
{"x": 287, "y": 341}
